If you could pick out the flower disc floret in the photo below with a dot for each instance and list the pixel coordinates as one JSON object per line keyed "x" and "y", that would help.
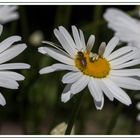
{"x": 97, "y": 68}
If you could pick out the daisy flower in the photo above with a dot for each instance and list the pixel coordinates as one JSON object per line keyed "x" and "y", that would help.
{"x": 125, "y": 27}
{"x": 8, "y": 78}
{"x": 8, "y": 13}
{"x": 103, "y": 73}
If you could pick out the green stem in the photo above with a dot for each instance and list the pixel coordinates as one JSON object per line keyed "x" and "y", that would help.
{"x": 64, "y": 12}
{"x": 62, "y": 17}
{"x": 114, "y": 119}
{"x": 74, "y": 114}
{"x": 13, "y": 28}
{"x": 24, "y": 23}
{"x": 97, "y": 13}
{"x": 133, "y": 127}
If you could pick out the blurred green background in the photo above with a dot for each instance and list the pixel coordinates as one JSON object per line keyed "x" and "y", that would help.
{"x": 36, "y": 107}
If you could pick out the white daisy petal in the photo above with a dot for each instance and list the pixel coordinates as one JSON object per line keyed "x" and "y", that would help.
{"x": 66, "y": 95}
{"x": 118, "y": 93}
{"x": 127, "y": 64}
{"x": 8, "y": 13}
{"x": 95, "y": 90}
{"x": 56, "y": 55}
{"x": 79, "y": 85}
{"x": 126, "y": 27}
{"x": 13, "y": 16}
{"x": 110, "y": 46}
{"x": 11, "y": 66}
{"x": 82, "y": 39}
{"x": 2, "y": 100}
{"x": 99, "y": 105}
{"x": 11, "y": 75}
{"x": 67, "y": 36}
{"x": 68, "y": 47}
{"x": 57, "y": 67}
{"x": 1, "y": 29}
{"x": 46, "y": 70}
{"x": 119, "y": 52}
{"x": 126, "y": 72}
{"x": 102, "y": 48}
{"x": 54, "y": 45}
{"x": 131, "y": 38}
{"x": 77, "y": 39}
{"x": 116, "y": 16}
{"x": 42, "y": 50}
{"x": 58, "y": 47}
{"x": 106, "y": 91}
{"x": 71, "y": 77}
{"x": 125, "y": 58}
{"x": 126, "y": 82}
{"x": 12, "y": 52}
{"x": 13, "y": 7}
{"x": 114, "y": 13}
{"x": 65, "y": 67}
{"x": 8, "y": 42}
{"x": 90, "y": 42}
{"x": 8, "y": 83}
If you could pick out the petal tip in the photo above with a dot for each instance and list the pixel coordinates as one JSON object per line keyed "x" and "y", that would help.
{"x": 41, "y": 50}
{"x": 41, "y": 72}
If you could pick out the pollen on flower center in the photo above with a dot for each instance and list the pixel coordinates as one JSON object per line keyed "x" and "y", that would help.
{"x": 98, "y": 68}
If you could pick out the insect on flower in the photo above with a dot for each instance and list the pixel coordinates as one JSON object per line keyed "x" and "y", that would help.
{"x": 82, "y": 59}
{"x": 104, "y": 73}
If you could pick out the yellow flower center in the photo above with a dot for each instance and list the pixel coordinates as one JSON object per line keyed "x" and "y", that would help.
{"x": 95, "y": 66}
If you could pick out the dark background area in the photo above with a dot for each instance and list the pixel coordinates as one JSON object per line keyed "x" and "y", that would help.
{"x": 43, "y": 17}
